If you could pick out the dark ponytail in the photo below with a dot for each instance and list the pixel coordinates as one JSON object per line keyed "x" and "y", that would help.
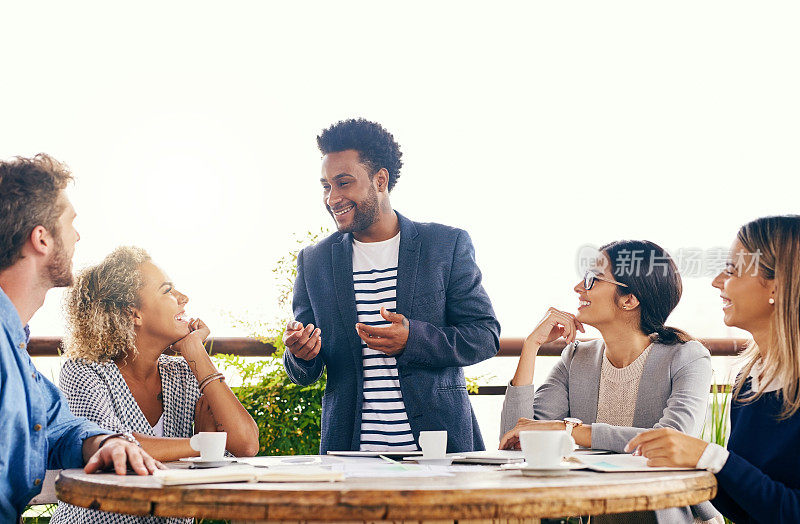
{"x": 652, "y": 277}
{"x": 670, "y": 335}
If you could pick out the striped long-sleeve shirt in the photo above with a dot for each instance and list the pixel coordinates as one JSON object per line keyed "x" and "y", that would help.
{"x": 384, "y": 421}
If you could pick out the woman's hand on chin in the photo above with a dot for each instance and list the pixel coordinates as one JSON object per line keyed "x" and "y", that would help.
{"x": 199, "y": 328}
{"x": 198, "y": 333}
{"x": 555, "y": 324}
{"x": 511, "y": 439}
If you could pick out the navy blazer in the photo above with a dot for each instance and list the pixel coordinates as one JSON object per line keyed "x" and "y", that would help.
{"x": 452, "y": 324}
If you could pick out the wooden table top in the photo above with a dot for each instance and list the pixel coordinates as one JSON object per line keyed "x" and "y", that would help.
{"x": 483, "y": 494}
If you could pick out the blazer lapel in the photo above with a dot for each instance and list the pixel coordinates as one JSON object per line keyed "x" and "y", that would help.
{"x": 407, "y": 264}
{"x": 342, "y": 259}
{"x": 584, "y": 381}
{"x": 650, "y": 389}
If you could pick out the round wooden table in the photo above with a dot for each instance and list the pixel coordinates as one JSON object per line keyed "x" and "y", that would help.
{"x": 480, "y": 495}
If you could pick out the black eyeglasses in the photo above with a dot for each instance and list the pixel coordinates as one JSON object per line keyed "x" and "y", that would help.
{"x": 591, "y": 276}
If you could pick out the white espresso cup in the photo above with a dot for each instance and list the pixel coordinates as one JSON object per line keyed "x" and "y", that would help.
{"x": 210, "y": 444}
{"x": 545, "y": 448}
{"x": 433, "y": 444}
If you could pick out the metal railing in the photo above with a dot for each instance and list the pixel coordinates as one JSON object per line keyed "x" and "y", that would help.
{"x": 509, "y": 347}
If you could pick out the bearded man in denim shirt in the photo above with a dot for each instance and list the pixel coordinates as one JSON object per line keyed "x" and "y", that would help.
{"x": 37, "y": 430}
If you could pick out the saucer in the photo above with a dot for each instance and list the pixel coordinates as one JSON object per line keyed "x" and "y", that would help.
{"x": 544, "y": 471}
{"x": 198, "y": 462}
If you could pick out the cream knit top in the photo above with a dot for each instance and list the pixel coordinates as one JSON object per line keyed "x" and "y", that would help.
{"x": 619, "y": 387}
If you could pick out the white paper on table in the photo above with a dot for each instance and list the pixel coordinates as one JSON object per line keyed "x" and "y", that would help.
{"x": 620, "y": 462}
{"x": 350, "y": 467}
{"x": 269, "y": 461}
{"x": 385, "y": 470}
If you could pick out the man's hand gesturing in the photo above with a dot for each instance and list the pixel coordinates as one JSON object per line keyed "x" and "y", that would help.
{"x": 386, "y": 339}
{"x": 302, "y": 341}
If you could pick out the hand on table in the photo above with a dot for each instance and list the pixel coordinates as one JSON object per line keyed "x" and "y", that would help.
{"x": 511, "y": 439}
{"x": 386, "y": 339}
{"x": 119, "y": 453}
{"x": 667, "y": 447}
{"x": 303, "y": 342}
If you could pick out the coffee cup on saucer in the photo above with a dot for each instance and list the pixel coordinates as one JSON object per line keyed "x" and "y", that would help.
{"x": 210, "y": 444}
{"x": 544, "y": 449}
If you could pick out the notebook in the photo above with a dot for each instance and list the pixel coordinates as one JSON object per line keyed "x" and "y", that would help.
{"x": 175, "y": 477}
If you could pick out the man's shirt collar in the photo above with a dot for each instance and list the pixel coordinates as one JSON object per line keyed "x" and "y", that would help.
{"x": 9, "y": 319}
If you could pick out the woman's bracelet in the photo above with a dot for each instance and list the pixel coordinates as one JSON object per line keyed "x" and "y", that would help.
{"x": 208, "y": 380}
{"x": 221, "y": 378}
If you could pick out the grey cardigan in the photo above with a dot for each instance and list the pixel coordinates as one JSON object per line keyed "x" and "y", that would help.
{"x": 673, "y": 392}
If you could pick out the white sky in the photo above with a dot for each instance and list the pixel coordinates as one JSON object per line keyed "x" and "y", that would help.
{"x": 538, "y": 127}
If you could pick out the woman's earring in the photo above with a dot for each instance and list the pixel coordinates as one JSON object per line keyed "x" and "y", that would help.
{"x": 771, "y": 301}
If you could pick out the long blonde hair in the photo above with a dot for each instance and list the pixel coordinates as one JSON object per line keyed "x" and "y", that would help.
{"x": 775, "y": 241}
{"x": 98, "y": 307}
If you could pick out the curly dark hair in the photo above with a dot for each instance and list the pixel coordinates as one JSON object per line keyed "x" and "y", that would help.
{"x": 375, "y": 145}
{"x": 29, "y": 192}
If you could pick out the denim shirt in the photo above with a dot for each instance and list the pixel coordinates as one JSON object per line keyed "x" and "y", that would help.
{"x": 37, "y": 430}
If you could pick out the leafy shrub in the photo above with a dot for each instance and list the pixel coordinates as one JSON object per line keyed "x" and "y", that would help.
{"x": 288, "y": 416}
{"x": 38, "y": 514}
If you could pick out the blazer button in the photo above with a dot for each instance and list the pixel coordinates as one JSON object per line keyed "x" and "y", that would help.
{"x": 22, "y": 345}
{"x": 37, "y": 481}
{"x": 37, "y": 427}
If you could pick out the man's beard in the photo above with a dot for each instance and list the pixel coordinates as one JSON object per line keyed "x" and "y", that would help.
{"x": 364, "y": 215}
{"x": 59, "y": 268}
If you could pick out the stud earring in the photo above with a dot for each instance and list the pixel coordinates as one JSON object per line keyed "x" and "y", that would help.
{"x": 771, "y": 301}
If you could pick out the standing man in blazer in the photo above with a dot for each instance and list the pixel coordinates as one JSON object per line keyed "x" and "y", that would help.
{"x": 393, "y": 308}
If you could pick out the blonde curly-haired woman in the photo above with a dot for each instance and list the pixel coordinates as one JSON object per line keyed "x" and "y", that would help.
{"x": 123, "y": 314}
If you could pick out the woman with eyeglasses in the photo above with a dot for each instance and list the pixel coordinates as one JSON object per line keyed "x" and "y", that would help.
{"x": 641, "y": 374}
{"x": 757, "y": 475}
